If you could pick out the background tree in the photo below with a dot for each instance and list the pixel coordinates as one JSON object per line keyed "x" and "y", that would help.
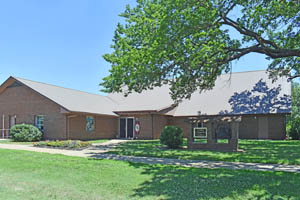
{"x": 293, "y": 121}
{"x": 187, "y": 43}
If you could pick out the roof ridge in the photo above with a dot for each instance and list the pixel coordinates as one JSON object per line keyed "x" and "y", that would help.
{"x": 58, "y": 86}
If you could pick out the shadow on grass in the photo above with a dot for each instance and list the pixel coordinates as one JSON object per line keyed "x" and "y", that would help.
{"x": 170, "y": 182}
{"x": 254, "y": 151}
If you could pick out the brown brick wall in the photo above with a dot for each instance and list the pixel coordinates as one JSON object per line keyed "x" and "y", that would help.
{"x": 277, "y": 130}
{"x": 145, "y": 126}
{"x": 25, "y": 104}
{"x": 248, "y": 127}
{"x": 273, "y": 127}
{"x": 181, "y": 122}
{"x": 106, "y": 127}
{"x": 160, "y": 122}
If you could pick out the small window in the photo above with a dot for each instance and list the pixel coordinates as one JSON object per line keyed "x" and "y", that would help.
{"x": 200, "y": 135}
{"x": 39, "y": 122}
{"x": 90, "y": 123}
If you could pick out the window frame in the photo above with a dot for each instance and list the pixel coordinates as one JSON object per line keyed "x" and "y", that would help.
{"x": 37, "y": 122}
{"x": 201, "y": 129}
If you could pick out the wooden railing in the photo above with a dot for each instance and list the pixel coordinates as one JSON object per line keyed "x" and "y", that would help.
{"x": 4, "y": 133}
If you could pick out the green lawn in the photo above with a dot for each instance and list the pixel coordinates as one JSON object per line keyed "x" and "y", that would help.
{"x": 254, "y": 151}
{"x": 98, "y": 141}
{"x": 10, "y": 141}
{"x": 29, "y": 175}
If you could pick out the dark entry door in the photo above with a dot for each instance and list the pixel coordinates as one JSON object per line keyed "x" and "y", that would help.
{"x": 129, "y": 128}
{"x": 123, "y": 128}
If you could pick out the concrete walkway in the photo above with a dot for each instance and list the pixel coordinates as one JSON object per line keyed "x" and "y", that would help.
{"x": 94, "y": 150}
{"x": 99, "y": 151}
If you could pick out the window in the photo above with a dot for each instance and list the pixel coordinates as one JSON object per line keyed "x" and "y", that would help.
{"x": 39, "y": 122}
{"x": 200, "y": 133}
{"x": 90, "y": 123}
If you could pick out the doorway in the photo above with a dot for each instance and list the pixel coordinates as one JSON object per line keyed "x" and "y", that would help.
{"x": 126, "y": 127}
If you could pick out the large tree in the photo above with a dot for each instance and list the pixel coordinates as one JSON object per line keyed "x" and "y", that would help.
{"x": 187, "y": 43}
{"x": 293, "y": 120}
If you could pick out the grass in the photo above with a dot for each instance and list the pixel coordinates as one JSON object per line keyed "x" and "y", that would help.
{"x": 98, "y": 141}
{"x": 253, "y": 151}
{"x": 30, "y": 175}
{"x": 10, "y": 141}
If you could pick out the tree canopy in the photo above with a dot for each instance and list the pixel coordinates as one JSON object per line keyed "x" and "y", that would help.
{"x": 187, "y": 44}
{"x": 293, "y": 120}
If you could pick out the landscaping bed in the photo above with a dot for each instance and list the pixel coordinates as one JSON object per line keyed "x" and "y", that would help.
{"x": 63, "y": 144}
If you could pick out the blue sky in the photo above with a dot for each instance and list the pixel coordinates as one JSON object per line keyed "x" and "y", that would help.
{"x": 61, "y": 42}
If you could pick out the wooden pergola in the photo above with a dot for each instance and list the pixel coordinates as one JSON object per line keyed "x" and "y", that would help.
{"x": 217, "y": 133}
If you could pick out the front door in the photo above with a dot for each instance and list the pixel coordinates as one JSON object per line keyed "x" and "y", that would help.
{"x": 126, "y": 127}
{"x": 130, "y": 128}
{"x": 123, "y": 128}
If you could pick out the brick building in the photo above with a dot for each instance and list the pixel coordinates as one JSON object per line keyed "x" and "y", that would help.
{"x": 63, "y": 113}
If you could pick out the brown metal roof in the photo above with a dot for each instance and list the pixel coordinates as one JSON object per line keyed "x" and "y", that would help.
{"x": 73, "y": 100}
{"x": 237, "y": 93}
{"x": 240, "y": 93}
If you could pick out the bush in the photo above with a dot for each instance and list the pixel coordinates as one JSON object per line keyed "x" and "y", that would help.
{"x": 63, "y": 144}
{"x": 172, "y": 136}
{"x": 294, "y": 131}
{"x": 25, "y": 133}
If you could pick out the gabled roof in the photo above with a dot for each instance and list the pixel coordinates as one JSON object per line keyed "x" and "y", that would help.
{"x": 236, "y": 93}
{"x": 240, "y": 93}
{"x": 72, "y": 100}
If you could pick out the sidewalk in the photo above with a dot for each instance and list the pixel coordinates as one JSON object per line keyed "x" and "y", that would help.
{"x": 99, "y": 151}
